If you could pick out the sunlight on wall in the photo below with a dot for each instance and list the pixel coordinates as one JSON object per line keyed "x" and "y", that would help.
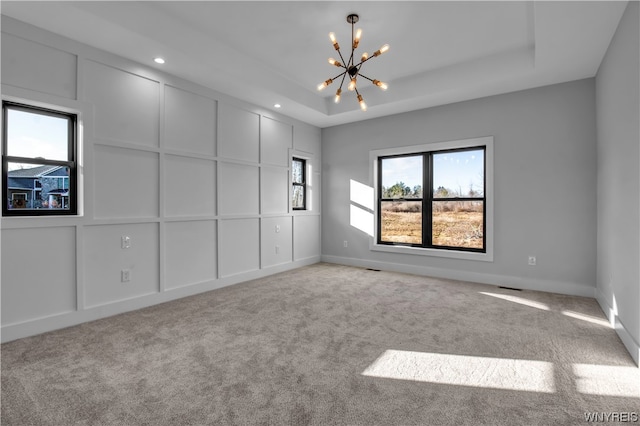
{"x": 310, "y": 189}
{"x": 361, "y": 194}
{"x": 462, "y": 370}
{"x": 608, "y": 380}
{"x": 361, "y": 212}
{"x": 520, "y": 300}
{"x": 361, "y": 219}
{"x": 613, "y": 312}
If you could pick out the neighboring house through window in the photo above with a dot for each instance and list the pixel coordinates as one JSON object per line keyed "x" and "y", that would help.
{"x": 38, "y": 161}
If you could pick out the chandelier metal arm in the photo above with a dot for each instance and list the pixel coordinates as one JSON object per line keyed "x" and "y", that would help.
{"x": 364, "y": 76}
{"x": 338, "y": 76}
{"x": 362, "y": 62}
{"x": 345, "y": 66}
{"x": 344, "y": 75}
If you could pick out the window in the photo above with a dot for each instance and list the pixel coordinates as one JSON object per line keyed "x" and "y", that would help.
{"x": 299, "y": 185}
{"x": 433, "y": 199}
{"x": 38, "y": 161}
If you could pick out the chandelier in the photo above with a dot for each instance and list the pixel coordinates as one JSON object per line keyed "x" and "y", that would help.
{"x": 350, "y": 67}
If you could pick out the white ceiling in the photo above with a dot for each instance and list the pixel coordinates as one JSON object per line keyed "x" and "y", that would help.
{"x": 268, "y": 52}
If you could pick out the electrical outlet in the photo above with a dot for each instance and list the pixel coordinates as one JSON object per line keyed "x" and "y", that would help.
{"x": 345, "y": 243}
{"x": 125, "y": 242}
{"x": 277, "y": 228}
{"x": 532, "y": 260}
{"x": 125, "y": 275}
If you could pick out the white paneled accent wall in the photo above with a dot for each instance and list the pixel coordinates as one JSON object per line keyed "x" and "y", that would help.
{"x": 239, "y": 246}
{"x": 104, "y": 260}
{"x": 38, "y": 280}
{"x": 190, "y": 247}
{"x": 198, "y": 182}
{"x": 126, "y": 105}
{"x": 126, "y": 183}
{"x": 38, "y": 67}
{"x": 239, "y": 191}
{"x": 189, "y": 186}
{"x": 189, "y": 122}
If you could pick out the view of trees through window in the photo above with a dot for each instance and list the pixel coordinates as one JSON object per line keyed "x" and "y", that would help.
{"x": 450, "y": 214}
{"x": 299, "y": 186}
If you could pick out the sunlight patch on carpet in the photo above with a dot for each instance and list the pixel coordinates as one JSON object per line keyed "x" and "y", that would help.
{"x": 609, "y": 380}
{"x": 520, "y": 300}
{"x": 463, "y": 370}
{"x": 587, "y": 318}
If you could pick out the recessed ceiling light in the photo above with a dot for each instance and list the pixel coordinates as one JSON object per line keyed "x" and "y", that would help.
{"x": 158, "y": 60}
{"x": 277, "y": 105}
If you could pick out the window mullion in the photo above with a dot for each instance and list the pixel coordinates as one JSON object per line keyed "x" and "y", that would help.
{"x": 379, "y": 221}
{"x": 38, "y": 161}
{"x": 427, "y": 191}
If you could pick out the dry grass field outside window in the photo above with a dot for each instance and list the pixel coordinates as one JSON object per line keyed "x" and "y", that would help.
{"x": 455, "y": 223}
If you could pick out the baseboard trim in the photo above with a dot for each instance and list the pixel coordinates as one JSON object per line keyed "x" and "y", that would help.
{"x": 68, "y": 319}
{"x": 568, "y": 288}
{"x": 627, "y": 339}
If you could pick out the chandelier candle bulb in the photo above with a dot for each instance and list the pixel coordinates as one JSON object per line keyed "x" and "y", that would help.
{"x": 381, "y": 84}
{"x": 325, "y": 84}
{"x": 356, "y": 39}
{"x": 334, "y": 62}
{"x": 363, "y": 106}
{"x": 382, "y": 50}
{"x": 337, "y": 98}
{"x": 332, "y": 36}
{"x": 364, "y": 57}
{"x": 352, "y": 85}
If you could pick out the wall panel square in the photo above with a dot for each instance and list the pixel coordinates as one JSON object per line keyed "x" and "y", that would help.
{"x": 307, "y": 139}
{"x": 276, "y": 241}
{"x": 126, "y": 105}
{"x": 125, "y": 183}
{"x": 238, "y": 134}
{"x": 238, "y": 189}
{"x": 274, "y": 189}
{"x": 104, "y": 259}
{"x": 276, "y": 139}
{"x": 190, "y": 122}
{"x": 189, "y": 186}
{"x": 306, "y": 237}
{"x": 190, "y": 253}
{"x": 239, "y": 248}
{"x": 38, "y": 67}
{"x": 315, "y": 189}
{"x": 38, "y": 273}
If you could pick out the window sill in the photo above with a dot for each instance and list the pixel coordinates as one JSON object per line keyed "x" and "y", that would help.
{"x": 451, "y": 254}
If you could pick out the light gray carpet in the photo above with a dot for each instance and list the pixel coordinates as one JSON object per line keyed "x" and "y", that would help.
{"x": 328, "y": 345}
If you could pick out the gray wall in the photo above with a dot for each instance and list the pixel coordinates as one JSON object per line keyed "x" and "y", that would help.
{"x": 618, "y": 112}
{"x": 545, "y": 180}
{"x": 199, "y": 181}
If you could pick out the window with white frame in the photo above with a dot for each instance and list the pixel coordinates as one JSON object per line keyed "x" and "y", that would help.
{"x": 434, "y": 198}
{"x": 299, "y": 184}
{"x": 38, "y": 160}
